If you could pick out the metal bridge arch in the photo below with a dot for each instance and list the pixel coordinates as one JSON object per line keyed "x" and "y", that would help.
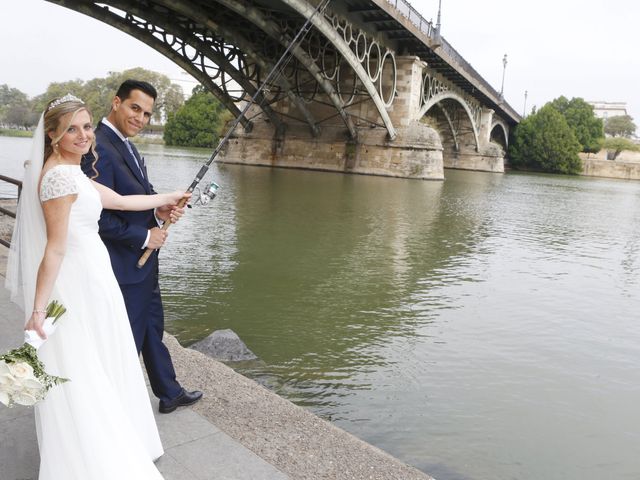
{"x": 271, "y": 29}
{"x": 239, "y": 41}
{"x": 170, "y": 45}
{"x": 175, "y": 29}
{"x": 306, "y": 10}
{"x": 449, "y": 95}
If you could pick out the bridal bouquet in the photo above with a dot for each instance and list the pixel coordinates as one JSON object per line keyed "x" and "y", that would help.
{"x": 22, "y": 376}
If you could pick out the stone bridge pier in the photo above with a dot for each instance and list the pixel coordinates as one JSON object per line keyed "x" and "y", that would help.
{"x": 433, "y": 128}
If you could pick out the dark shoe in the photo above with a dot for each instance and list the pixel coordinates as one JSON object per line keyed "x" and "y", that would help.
{"x": 182, "y": 400}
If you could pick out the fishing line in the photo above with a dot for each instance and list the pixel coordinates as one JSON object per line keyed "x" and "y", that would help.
{"x": 282, "y": 62}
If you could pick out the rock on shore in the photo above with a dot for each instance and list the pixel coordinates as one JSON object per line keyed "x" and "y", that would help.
{"x": 224, "y": 345}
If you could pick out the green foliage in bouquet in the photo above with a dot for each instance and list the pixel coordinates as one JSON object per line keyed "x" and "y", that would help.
{"x": 55, "y": 310}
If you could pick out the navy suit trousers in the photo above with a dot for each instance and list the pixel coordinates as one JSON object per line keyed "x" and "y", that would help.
{"x": 144, "y": 307}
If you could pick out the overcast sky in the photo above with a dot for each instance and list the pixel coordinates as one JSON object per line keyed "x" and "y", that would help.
{"x": 576, "y": 48}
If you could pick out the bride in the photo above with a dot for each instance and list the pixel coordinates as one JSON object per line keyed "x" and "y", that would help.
{"x": 100, "y": 424}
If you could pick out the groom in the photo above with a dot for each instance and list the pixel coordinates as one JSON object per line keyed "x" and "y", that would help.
{"x": 126, "y": 235}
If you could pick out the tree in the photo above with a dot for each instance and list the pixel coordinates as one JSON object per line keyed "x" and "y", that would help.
{"x": 57, "y": 90}
{"x": 10, "y": 96}
{"x": 615, "y": 145}
{"x": 170, "y": 95}
{"x": 620, "y": 126}
{"x": 98, "y": 93}
{"x": 579, "y": 115}
{"x": 197, "y": 123}
{"x": 16, "y": 108}
{"x": 21, "y": 116}
{"x": 544, "y": 141}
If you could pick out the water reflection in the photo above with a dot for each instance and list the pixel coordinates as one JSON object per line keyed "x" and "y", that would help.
{"x": 322, "y": 270}
{"x": 335, "y": 267}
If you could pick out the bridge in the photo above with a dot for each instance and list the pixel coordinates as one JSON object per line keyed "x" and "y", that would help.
{"x": 373, "y": 88}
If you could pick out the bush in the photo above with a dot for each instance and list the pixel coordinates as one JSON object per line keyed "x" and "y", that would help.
{"x": 615, "y": 145}
{"x": 579, "y": 115}
{"x": 197, "y": 123}
{"x": 544, "y": 141}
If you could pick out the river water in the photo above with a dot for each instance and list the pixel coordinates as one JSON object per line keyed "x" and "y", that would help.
{"x": 484, "y": 327}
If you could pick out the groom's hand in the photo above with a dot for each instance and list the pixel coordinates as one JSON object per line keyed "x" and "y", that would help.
{"x": 157, "y": 238}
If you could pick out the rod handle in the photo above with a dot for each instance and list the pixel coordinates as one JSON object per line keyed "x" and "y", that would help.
{"x": 148, "y": 251}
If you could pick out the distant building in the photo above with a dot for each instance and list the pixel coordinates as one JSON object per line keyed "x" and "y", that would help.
{"x": 605, "y": 110}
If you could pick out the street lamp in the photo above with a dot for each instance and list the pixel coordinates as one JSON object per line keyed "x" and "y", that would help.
{"x": 438, "y": 21}
{"x": 524, "y": 110}
{"x": 504, "y": 67}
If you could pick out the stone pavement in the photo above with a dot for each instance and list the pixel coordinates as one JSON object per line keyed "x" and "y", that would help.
{"x": 195, "y": 449}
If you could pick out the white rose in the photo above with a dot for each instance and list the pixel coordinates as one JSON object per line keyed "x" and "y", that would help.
{"x": 36, "y": 393}
{"x": 4, "y": 368}
{"x": 6, "y": 379}
{"x": 21, "y": 370}
{"x": 6, "y": 376}
{"x": 32, "y": 384}
{"x": 4, "y": 397}
{"x": 24, "y": 398}
{"x": 12, "y": 388}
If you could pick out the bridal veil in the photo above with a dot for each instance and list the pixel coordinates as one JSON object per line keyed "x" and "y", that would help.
{"x": 29, "y": 233}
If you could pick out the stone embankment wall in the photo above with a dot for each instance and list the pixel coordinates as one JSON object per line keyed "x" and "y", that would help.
{"x": 626, "y": 166}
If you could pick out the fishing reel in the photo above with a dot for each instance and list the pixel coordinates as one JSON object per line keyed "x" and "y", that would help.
{"x": 204, "y": 197}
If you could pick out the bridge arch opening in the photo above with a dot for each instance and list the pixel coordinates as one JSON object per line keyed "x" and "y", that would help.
{"x": 499, "y": 135}
{"x": 453, "y": 120}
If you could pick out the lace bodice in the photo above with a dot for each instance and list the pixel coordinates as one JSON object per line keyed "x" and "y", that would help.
{"x": 58, "y": 182}
{"x": 64, "y": 180}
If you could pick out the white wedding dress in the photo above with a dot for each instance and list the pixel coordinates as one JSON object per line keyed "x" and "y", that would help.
{"x": 99, "y": 425}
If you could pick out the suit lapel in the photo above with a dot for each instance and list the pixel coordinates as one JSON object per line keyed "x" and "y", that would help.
{"x": 126, "y": 155}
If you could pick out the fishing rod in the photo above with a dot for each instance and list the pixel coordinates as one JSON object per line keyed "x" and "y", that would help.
{"x": 211, "y": 191}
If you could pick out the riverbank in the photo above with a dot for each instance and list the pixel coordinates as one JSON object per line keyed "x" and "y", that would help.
{"x": 236, "y": 421}
{"x": 626, "y": 166}
{"x": 11, "y": 132}
{"x": 142, "y": 138}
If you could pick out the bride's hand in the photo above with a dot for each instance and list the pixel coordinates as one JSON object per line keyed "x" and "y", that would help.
{"x": 175, "y": 197}
{"x": 35, "y": 324}
{"x": 171, "y": 212}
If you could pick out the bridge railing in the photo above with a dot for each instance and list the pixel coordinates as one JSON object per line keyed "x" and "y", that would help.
{"x": 427, "y": 27}
{"x": 5, "y": 211}
{"x": 406, "y": 9}
{"x": 459, "y": 59}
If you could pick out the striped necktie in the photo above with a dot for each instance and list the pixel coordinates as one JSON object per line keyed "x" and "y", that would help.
{"x": 135, "y": 159}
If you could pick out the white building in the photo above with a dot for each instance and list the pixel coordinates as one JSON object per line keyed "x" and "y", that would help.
{"x": 605, "y": 110}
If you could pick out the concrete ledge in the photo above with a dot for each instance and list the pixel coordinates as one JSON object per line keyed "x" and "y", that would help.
{"x": 288, "y": 437}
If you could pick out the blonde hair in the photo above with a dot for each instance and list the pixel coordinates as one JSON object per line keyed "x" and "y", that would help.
{"x": 53, "y": 113}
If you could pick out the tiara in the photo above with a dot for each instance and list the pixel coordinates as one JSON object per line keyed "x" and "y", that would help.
{"x": 67, "y": 98}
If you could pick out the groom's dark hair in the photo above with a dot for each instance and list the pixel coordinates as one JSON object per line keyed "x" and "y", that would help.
{"x": 128, "y": 85}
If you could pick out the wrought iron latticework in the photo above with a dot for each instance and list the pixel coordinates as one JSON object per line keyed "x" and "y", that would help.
{"x": 229, "y": 45}
{"x": 348, "y": 59}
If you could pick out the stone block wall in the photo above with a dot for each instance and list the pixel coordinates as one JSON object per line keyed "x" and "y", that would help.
{"x": 372, "y": 155}
{"x": 416, "y": 151}
{"x": 592, "y": 167}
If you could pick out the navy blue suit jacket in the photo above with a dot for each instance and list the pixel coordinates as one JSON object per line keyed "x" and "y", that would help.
{"x": 123, "y": 233}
